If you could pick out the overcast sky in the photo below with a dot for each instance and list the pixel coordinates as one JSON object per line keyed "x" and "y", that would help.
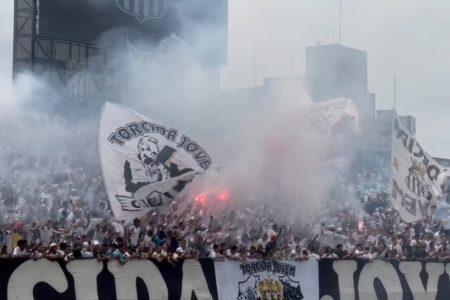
{"x": 409, "y": 38}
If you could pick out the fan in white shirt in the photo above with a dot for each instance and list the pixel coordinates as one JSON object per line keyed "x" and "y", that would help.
{"x": 20, "y": 250}
{"x": 179, "y": 254}
{"x": 327, "y": 238}
{"x": 85, "y": 253}
{"x": 159, "y": 254}
{"x": 134, "y": 232}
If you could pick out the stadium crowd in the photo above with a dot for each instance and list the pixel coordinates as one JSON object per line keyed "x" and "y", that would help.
{"x": 72, "y": 219}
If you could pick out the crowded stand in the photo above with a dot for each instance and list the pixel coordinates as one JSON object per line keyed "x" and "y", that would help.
{"x": 63, "y": 214}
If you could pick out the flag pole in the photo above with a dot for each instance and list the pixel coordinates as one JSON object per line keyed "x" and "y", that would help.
{"x": 340, "y": 21}
{"x": 395, "y": 92}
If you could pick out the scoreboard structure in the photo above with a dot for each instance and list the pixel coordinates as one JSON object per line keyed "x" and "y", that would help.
{"x": 67, "y": 37}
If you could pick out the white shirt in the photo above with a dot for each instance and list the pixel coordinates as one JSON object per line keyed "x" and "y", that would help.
{"x": 176, "y": 255}
{"x": 398, "y": 248}
{"x": 161, "y": 255}
{"x": 20, "y": 253}
{"x": 61, "y": 211}
{"x": 134, "y": 233}
{"x": 100, "y": 235}
{"x": 46, "y": 235}
{"x": 212, "y": 254}
{"x": 261, "y": 242}
{"x": 86, "y": 254}
{"x": 339, "y": 239}
{"x": 93, "y": 224}
{"x": 37, "y": 254}
{"x": 148, "y": 241}
{"x": 270, "y": 233}
{"x": 446, "y": 223}
{"x": 327, "y": 239}
{"x": 118, "y": 227}
{"x": 313, "y": 256}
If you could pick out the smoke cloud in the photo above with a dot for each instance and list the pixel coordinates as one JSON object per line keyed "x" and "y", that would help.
{"x": 266, "y": 149}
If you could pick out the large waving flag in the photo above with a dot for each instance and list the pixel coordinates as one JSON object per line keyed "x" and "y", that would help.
{"x": 145, "y": 164}
{"x": 416, "y": 178}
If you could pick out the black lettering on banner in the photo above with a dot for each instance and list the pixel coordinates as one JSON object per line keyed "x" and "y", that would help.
{"x": 172, "y": 134}
{"x": 425, "y": 161}
{"x": 408, "y": 202}
{"x": 423, "y": 207}
{"x": 411, "y": 145}
{"x": 419, "y": 152}
{"x": 433, "y": 172}
{"x": 134, "y": 129}
{"x": 380, "y": 279}
{"x": 403, "y": 137}
{"x": 267, "y": 266}
{"x": 145, "y": 279}
{"x": 396, "y": 190}
{"x": 253, "y": 267}
{"x": 147, "y": 127}
{"x": 113, "y": 139}
{"x": 161, "y": 129}
{"x": 191, "y": 147}
{"x": 205, "y": 164}
{"x": 90, "y": 279}
{"x": 184, "y": 139}
{"x": 416, "y": 150}
{"x": 203, "y": 159}
{"x": 124, "y": 133}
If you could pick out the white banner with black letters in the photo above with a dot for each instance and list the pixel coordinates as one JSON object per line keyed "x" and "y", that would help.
{"x": 416, "y": 177}
{"x": 145, "y": 163}
{"x": 263, "y": 279}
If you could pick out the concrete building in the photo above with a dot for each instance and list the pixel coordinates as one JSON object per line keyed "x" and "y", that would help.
{"x": 334, "y": 71}
{"x": 384, "y": 128}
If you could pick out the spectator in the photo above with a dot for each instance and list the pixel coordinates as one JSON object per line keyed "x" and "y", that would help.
{"x": 4, "y": 252}
{"x": 21, "y": 249}
{"x": 120, "y": 254}
{"x": 134, "y": 232}
{"x": 178, "y": 255}
{"x": 215, "y": 253}
{"x": 85, "y": 251}
{"x": 38, "y": 251}
{"x": 159, "y": 254}
{"x": 54, "y": 253}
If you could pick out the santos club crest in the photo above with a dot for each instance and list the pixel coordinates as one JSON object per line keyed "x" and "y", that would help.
{"x": 263, "y": 282}
{"x": 144, "y": 10}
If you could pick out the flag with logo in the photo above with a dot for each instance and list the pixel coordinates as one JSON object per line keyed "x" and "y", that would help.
{"x": 416, "y": 178}
{"x": 145, "y": 164}
{"x": 267, "y": 279}
{"x": 327, "y": 115}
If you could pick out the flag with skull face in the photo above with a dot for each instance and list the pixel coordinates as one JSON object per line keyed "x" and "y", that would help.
{"x": 145, "y": 164}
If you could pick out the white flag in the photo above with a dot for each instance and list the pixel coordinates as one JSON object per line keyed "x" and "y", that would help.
{"x": 416, "y": 177}
{"x": 145, "y": 164}
{"x": 326, "y": 115}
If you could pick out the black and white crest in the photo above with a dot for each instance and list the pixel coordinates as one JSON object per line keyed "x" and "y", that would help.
{"x": 144, "y": 10}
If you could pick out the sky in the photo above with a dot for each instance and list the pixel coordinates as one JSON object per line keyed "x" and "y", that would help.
{"x": 408, "y": 38}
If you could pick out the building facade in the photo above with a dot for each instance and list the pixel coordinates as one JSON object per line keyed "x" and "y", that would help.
{"x": 82, "y": 44}
{"x": 335, "y": 71}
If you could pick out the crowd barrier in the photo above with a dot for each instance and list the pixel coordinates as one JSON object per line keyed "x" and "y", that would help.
{"x": 206, "y": 279}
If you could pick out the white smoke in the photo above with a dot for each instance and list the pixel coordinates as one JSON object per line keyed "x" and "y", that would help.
{"x": 266, "y": 146}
